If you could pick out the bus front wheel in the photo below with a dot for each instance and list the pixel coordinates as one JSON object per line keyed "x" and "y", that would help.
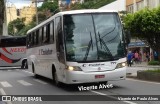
{"x": 33, "y": 70}
{"x": 55, "y": 77}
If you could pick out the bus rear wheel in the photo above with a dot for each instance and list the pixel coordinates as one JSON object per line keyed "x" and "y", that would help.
{"x": 24, "y": 64}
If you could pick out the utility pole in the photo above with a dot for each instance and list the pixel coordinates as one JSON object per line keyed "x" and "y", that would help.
{"x": 5, "y": 28}
{"x": 36, "y": 12}
{"x": 36, "y": 1}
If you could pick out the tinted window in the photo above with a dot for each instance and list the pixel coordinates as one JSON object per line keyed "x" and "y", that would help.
{"x": 13, "y": 42}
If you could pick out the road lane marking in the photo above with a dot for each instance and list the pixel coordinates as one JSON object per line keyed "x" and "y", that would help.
{"x": 142, "y": 81}
{"x": 27, "y": 71}
{"x": 40, "y": 81}
{"x": 5, "y": 84}
{"x": 129, "y": 102}
{"x": 24, "y": 83}
{"x": 99, "y": 93}
{"x": 3, "y": 93}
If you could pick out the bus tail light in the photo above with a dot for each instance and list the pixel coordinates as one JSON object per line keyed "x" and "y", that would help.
{"x": 73, "y": 68}
{"x": 121, "y": 65}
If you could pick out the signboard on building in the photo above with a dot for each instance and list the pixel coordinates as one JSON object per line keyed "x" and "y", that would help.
{"x": 137, "y": 44}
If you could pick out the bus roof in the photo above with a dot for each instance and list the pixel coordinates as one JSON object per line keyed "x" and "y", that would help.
{"x": 85, "y": 11}
{"x": 2, "y": 36}
{"x": 8, "y": 37}
{"x": 72, "y": 12}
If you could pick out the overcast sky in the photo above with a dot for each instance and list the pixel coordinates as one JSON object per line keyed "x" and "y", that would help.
{"x": 20, "y": 3}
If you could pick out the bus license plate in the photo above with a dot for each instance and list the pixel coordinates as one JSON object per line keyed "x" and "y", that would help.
{"x": 99, "y": 76}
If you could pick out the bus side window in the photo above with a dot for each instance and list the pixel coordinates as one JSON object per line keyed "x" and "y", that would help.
{"x": 29, "y": 40}
{"x": 47, "y": 33}
{"x": 52, "y": 32}
{"x": 33, "y": 40}
{"x": 37, "y": 37}
{"x": 42, "y": 35}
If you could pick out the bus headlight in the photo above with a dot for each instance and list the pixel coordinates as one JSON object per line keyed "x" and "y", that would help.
{"x": 73, "y": 68}
{"x": 121, "y": 65}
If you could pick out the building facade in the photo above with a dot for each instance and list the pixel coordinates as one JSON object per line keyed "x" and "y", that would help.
{"x": 11, "y": 13}
{"x": 135, "y": 5}
{"x": 26, "y": 12}
{"x": 131, "y": 7}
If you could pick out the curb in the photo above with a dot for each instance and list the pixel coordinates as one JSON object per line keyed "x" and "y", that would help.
{"x": 130, "y": 76}
{"x": 144, "y": 66}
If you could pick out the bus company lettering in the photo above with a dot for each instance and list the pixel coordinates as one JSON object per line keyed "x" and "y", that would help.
{"x": 45, "y": 52}
{"x": 84, "y": 65}
{"x": 96, "y": 64}
{"x": 18, "y": 49}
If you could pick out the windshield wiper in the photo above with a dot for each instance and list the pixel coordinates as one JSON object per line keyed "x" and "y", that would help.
{"x": 100, "y": 40}
{"x": 106, "y": 47}
{"x": 88, "y": 48}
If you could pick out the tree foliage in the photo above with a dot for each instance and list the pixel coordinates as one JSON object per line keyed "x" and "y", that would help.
{"x": 51, "y": 6}
{"x": 41, "y": 17}
{"x": 16, "y": 25}
{"x": 145, "y": 25}
{"x": 90, "y": 4}
{"x": 26, "y": 28}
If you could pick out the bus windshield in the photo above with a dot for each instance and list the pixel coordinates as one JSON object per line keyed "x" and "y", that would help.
{"x": 93, "y": 37}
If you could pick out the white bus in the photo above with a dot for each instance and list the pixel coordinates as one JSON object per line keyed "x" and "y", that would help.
{"x": 79, "y": 46}
{"x": 13, "y": 52}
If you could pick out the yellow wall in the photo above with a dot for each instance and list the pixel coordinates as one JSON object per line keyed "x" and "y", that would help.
{"x": 11, "y": 13}
{"x": 28, "y": 13}
{"x": 130, "y": 2}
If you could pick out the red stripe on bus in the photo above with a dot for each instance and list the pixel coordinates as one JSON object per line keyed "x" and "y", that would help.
{"x": 4, "y": 49}
{"x": 3, "y": 57}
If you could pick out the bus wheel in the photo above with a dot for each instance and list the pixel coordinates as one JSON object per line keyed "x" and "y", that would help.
{"x": 55, "y": 78}
{"x": 24, "y": 64}
{"x": 33, "y": 70}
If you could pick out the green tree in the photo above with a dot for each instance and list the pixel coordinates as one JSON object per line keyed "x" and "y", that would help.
{"x": 47, "y": 9}
{"x": 90, "y": 4}
{"x": 1, "y": 15}
{"x": 49, "y": 6}
{"x": 15, "y": 26}
{"x": 145, "y": 25}
{"x": 26, "y": 28}
{"x": 41, "y": 17}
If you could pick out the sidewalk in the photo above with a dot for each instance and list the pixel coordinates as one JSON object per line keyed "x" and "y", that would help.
{"x": 143, "y": 64}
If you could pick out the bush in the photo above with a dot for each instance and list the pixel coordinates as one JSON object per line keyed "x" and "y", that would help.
{"x": 154, "y": 71}
{"x": 153, "y": 63}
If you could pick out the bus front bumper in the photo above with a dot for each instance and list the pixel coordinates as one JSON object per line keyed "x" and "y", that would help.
{"x": 77, "y": 77}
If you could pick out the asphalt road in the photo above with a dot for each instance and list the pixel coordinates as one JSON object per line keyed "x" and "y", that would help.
{"x": 22, "y": 83}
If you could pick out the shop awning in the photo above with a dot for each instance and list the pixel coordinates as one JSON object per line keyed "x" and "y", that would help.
{"x": 137, "y": 44}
